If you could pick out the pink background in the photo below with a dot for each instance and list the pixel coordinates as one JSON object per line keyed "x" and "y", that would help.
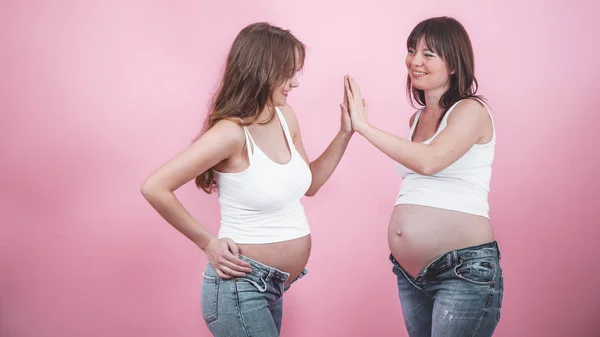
{"x": 96, "y": 94}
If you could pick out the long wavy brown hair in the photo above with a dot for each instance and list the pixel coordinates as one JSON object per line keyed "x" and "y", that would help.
{"x": 261, "y": 58}
{"x": 448, "y": 38}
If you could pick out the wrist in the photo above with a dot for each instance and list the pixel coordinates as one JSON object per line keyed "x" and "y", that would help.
{"x": 204, "y": 242}
{"x": 345, "y": 134}
{"x": 362, "y": 128}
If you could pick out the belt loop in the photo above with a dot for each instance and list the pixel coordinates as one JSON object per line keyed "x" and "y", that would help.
{"x": 270, "y": 275}
{"x": 455, "y": 258}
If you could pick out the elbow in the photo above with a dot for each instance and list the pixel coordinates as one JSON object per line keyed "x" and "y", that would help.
{"x": 427, "y": 169}
{"x": 145, "y": 189}
{"x": 310, "y": 193}
{"x": 148, "y": 189}
{"x": 312, "y": 190}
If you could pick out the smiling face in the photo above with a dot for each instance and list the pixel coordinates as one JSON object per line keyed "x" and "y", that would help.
{"x": 426, "y": 69}
{"x": 440, "y": 62}
{"x": 280, "y": 93}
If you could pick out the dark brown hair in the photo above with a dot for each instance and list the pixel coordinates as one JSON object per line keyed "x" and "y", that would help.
{"x": 448, "y": 38}
{"x": 261, "y": 58}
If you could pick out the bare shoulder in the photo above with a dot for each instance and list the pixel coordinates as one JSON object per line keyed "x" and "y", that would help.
{"x": 288, "y": 112}
{"x": 290, "y": 117}
{"x": 469, "y": 109}
{"x": 218, "y": 143}
{"x": 228, "y": 132}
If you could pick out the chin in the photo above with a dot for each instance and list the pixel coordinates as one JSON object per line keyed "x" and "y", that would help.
{"x": 420, "y": 86}
{"x": 415, "y": 84}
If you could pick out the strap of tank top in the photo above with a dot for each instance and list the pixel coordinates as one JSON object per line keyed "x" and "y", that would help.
{"x": 487, "y": 108}
{"x": 489, "y": 111}
{"x": 414, "y": 124}
{"x": 285, "y": 127}
{"x": 249, "y": 141}
{"x": 445, "y": 118}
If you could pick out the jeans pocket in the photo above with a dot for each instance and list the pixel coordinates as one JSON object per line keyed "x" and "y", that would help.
{"x": 478, "y": 271}
{"x": 210, "y": 298}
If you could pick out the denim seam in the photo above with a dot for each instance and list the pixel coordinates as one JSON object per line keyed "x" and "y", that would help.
{"x": 215, "y": 298}
{"x": 209, "y": 278}
{"x": 485, "y": 312}
{"x": 239, "y": 308}
{"x": 270, "y": 306}
{"x": 500, "y": 298}
{"x": 493, "y": 256}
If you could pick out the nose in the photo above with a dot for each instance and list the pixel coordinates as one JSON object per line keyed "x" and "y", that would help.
{"x": 294, "y": 83}
{"x": 416, "y": 60}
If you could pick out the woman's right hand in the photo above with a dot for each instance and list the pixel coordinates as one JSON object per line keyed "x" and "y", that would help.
{"x": 223, "y": 256}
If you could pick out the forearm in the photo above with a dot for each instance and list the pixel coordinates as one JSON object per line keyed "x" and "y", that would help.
{"x": 171, "y": 209}
{"x": 416, "y": 156}
{"x": 323, "y": 167}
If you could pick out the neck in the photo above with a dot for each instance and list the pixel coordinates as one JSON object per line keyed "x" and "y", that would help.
{"x": 432, "y": 101}
{"x": 266, "y": 112}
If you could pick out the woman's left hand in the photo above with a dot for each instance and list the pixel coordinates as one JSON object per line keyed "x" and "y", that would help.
{"x": 357, "y": 106}
{"x": 346, "y": 122}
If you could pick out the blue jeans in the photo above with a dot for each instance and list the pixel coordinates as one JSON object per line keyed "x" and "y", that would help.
{"x": 245, "y": 307}
{"x": 458, "y": 294}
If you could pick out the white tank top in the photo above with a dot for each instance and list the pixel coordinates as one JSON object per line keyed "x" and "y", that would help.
{"x": 463, "y": 186}
{"x": 262, "y": 203}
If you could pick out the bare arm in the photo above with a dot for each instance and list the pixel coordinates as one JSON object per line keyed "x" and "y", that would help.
{"x": 322, "y": 168}
{"x": 465, "y": 128}
{"x": 219, "y": 143}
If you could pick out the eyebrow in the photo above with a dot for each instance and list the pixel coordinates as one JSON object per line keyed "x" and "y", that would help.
{"x": 425, "y": 49}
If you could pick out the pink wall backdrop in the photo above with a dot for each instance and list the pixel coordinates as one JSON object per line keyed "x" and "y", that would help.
{"x": 94, "y": 95}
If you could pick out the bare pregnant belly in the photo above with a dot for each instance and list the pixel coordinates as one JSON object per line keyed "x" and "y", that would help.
{"x": 417, "y": 235}
{"x": 288, "y": 256}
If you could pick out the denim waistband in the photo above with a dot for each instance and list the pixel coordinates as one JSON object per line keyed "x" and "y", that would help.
{"x": 265, "y": 272}
{"x": 453, "y": 258}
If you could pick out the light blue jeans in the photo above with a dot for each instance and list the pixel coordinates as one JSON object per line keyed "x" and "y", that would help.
{"x": 251, "y": 306}
{"x": 457, "y": 295}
